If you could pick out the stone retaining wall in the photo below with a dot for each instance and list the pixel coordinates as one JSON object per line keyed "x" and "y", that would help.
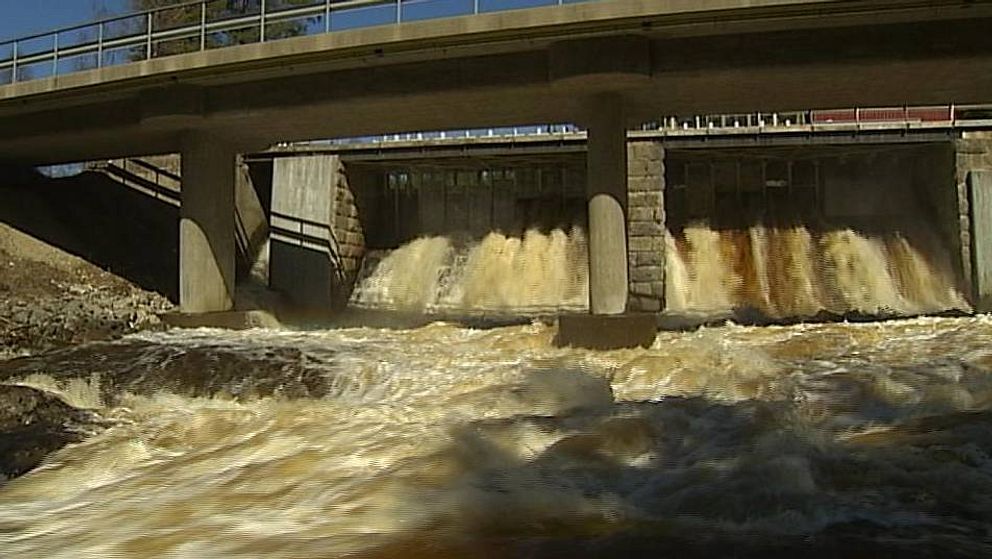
{"x": 972, "y": 152}
{"x": 646, "y": 225}
{"x": 350, "y": 235}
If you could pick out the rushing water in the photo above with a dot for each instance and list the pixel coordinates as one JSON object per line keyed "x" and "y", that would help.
{"x": 793, "y": 271}
{"x": 536, "y": 273}
{"x": 825, "y": 440}
{"x": 780, "y": 272}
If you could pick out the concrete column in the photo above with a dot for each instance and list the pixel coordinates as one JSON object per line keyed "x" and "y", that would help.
{"x": 607, "y": 194}
{"x": 207, "y": 225}
{"x": 980, "y": 194}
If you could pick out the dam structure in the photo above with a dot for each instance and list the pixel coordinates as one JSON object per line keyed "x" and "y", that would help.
{"x": 466, "y": 209}
{"x": 606, "y": 65}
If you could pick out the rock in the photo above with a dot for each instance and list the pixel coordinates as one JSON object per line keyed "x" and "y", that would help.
{"x": 35, "y": 423}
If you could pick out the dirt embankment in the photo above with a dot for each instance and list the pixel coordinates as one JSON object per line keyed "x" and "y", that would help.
{"x": 51, "y": 299}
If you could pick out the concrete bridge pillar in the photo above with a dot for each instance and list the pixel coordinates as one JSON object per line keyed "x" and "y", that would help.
{"x": 207, "y": 224}
{"x": 608, "y": 325}
{"x": 606, "y": 189}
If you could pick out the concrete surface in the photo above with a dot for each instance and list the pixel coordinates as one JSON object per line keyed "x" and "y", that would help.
{"x": 303, "y": 248}
{"x": 606, "y": 189}
{"x": 207, "y": 225}
{"x": 613, "y": 331}
{"x": 980, "y": 191}
{"x": 498, "y": 69}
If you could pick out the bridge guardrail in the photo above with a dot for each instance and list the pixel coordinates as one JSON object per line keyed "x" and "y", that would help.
{"x": 137, "y": 36}
{"x": 859, "y": 118}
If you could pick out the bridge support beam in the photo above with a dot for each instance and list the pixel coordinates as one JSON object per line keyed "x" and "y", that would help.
{"x": 207, "y": 225}
{"x": 608, "y": 325}
{"x": 606, "y": 189}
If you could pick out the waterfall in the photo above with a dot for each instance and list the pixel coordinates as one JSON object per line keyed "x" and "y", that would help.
{"x": 795, "y": 272}
{"x": 538, "y": 272}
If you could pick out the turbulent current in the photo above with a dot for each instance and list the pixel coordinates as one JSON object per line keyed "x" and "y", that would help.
{"x": 779, "y": 272}
{"x": 833, "y": 440}
{"x": 796, "y": 271}
{"x": 536, "y": 273}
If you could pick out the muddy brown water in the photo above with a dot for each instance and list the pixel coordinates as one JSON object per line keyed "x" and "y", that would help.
{"x": 831, "y": 440}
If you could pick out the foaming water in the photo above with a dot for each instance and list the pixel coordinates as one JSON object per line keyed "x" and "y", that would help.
{"x": 794, "y": 272}
{"x": 536, "y": 273}
{"x": 825, "y": 440}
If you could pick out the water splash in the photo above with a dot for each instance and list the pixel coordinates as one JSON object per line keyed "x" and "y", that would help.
{"x": 793, "y": 272}
{"x": 540, "y": 272}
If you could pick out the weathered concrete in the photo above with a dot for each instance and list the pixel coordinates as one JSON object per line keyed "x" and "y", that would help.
{"x": 303, "y": 247}
{"x": 613, "y": 331}
{"x": 607, "y": 192}
{"x": 980, "y": 197}
{"x": 252, "y": 223}
{"x": 207, "y": 225}
{"x": 317, "y": 237}
{"x": 496, "y": 69}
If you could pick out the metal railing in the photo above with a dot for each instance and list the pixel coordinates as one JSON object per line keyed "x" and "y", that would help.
{"x": 138, "y": 36}
{"x": 960, "y": 116}
{"x": 825, "y": 118}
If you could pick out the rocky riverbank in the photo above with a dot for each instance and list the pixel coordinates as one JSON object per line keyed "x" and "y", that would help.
{"x": 50, "y": 299}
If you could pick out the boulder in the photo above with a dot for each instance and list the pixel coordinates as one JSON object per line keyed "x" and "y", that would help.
{"x": 35, "y": 423}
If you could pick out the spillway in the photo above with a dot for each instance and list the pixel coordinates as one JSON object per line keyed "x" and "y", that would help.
{"x": 781, "y": 272}
{"x": 795, "y": 271}
{"x": 533, "y": 273}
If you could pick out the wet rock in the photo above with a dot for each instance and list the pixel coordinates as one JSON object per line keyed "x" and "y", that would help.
{"x": 143, "y": 367}
{"x": 33, "y": 424}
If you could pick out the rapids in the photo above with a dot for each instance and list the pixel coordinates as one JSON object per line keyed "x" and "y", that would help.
{"x": 822, "y": 440}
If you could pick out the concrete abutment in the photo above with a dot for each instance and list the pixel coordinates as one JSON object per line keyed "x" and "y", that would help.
{"x": 317, "y": 237}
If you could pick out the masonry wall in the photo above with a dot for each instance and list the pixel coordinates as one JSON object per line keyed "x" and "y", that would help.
{"x": 646, "y": 225}
{"x": 350, "y": 235}
{"x": 971, "y": 152}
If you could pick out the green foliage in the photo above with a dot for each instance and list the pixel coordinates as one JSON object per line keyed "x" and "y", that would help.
{"x": 218, "y": 10}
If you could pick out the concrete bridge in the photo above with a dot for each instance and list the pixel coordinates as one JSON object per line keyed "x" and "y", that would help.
{"x": 606, "y": 65}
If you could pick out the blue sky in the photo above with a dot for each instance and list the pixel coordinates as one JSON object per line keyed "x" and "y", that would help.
{"x": 19, "y": 18}
{"x": 26, "y": 17}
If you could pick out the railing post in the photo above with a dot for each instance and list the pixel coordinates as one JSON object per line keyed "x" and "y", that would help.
{"x": 399, "y": 11}
{"x": 13, "y": 71}
{"x": 327, "y": 15}
{"x": 203, "y": 26}
{"x": 475, "y": 7}
{"x": 261, "y": 20}
{"x": 99, "y": 46}
{"x": 148, "y": 43}
{"x": 55, "y": 56}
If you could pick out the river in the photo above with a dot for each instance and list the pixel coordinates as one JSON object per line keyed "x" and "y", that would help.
{"x": 871, "y": 439}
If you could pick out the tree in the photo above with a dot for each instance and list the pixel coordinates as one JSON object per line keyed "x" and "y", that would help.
{"x": 216, "y": 10}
